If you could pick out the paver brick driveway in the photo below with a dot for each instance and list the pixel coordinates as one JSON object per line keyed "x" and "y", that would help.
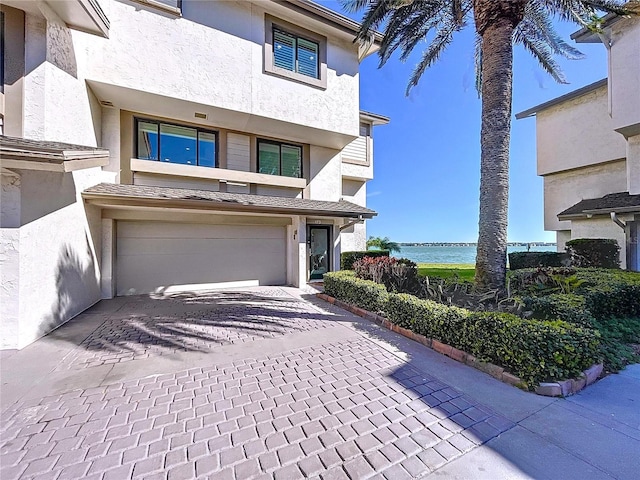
{"x": 332, "y": 404}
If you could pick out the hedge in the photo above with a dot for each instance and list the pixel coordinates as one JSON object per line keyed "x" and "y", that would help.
{"x": 347, "y": 259}
{"x": 594, "y": 252}
{"x": 518, "y": 260}
{"x": 568, "y": 307}
{"x": 365, "y": 294}
{"x": 533, "y": 350}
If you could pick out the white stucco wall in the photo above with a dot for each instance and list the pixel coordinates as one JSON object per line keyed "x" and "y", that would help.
{"x": 9, "y": 259}
{"x": 577, "y": 133}
{"x": 325, "y": 174}
{"x": 355, "y": 237}
{"x": 59, "y": 277}
{"x": 565, "y": 189}
{"x": 633, "y": 165}
{"x": 213, "y": 56}
{"x": 625, "y": 75}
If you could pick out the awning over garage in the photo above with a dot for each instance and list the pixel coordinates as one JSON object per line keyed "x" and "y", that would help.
{"x": 110, "y": 195}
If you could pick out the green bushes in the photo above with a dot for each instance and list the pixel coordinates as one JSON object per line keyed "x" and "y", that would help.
{"x": 362, "y": 293}
{"x": 518, "y": 260}
{"x": 533, "y": 350}
{"x": 397, "y": 275}
{"x": 568, "y": 307}
{"x": 347, "y": 259}
{"x": 594, "y": 252}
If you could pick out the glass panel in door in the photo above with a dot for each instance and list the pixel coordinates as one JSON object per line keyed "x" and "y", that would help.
{"x": 318, "y": 252}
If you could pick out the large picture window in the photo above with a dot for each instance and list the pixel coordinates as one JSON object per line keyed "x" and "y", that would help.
{"x": 171, "y": 143}
{"x": 295, "y": 53}
{"x": 275, "y": 158}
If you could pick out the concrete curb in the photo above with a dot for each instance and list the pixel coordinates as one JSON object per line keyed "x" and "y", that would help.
{"x": 563, "y": 388}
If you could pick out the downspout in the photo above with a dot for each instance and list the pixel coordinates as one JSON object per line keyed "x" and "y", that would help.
{"x": 618, "y": 222}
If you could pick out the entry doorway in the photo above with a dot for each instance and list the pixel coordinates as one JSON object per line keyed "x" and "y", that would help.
{"x": 319, "y": 250}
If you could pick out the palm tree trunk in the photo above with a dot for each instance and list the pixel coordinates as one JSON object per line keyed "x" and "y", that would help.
{"x": 495, "y": 22}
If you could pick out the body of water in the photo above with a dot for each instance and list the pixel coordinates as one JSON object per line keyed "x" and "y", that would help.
{"x": 454, "y": 254}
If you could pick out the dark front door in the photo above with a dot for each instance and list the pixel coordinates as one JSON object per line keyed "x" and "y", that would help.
{"x": 319, "y": 249}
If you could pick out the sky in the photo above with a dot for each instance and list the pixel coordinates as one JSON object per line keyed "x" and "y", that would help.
{"x": 427, "y": 159}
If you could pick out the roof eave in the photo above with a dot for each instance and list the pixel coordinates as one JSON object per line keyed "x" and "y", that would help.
{"x": 530, "y": 112}
{"x": 113, "y": 200}
{"x": 374, "y": 118}
{"x": 588, "y": 35}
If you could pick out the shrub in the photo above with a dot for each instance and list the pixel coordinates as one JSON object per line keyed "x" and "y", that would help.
{"x": 347, "y": 287}
{"x": 568, "y": 307}
{"x": 594, "y": 252}
{"x": 348, "y": 258}
{"x": 397, "y": 275}
{"x": 619, "y": 301}
{"x": 531, "y": 349}
{"x": 518, "y": 260}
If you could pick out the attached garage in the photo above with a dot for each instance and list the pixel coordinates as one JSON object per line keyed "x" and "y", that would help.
{"x": 163, "y": 256}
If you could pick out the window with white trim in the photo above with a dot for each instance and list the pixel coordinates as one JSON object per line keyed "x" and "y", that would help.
{"x": 277, "y": 158}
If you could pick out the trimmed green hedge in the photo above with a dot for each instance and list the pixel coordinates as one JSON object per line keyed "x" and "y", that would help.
{"x": 519, "y": 260}
{"x": 568, "y": 307}
{"x": 533, "y": 350}
{"x": 594, "y": 252}
{"x": 365, "y": 294}
{"x": 347, "y": 259}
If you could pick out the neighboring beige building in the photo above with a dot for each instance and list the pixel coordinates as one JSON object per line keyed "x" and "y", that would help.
{"x": 157, "y": 146}
{"x": 588, "y": 148}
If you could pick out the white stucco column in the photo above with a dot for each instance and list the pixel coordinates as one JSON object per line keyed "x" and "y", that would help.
{"x": 302, "y": 253}
{"x": 10, "y": 261}
{"x": 633, "y": 165}
{"x": 108, "y": 259}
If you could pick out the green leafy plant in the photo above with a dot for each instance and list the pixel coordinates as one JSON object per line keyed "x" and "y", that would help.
{"x": 519, "y": 260}
{"x": 594, "y": 252}
{"x": 347, "y": 259}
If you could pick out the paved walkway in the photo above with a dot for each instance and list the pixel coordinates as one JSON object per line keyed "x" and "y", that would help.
{"x": 271, "y": 383}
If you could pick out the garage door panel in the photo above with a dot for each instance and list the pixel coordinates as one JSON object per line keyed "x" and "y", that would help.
{"x": 202, "y": 255}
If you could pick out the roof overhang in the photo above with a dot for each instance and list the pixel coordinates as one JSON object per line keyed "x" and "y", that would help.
{"x": 618, "y": 203}
{"x": 25, "y": 154}
{"x": 374, "y": 118}
{"x": 530, "y": 112}
{"x": 84, "y": 15}
{"x": 136, "y": 196}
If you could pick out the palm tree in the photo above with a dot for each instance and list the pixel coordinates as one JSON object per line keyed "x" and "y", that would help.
{"x": 498, "y": 24}
{"x": 383, "y": 244}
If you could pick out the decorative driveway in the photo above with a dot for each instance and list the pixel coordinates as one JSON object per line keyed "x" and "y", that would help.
{"x": 284, "y": 388}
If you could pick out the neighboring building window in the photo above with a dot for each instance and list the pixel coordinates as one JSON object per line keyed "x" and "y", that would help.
{"x": 173, "y": 6}
{"x": 275, "y": 158}
{"x": 295, "y": 53}
{"x": 171, "y": 143}
{"x": 365, "y": 130}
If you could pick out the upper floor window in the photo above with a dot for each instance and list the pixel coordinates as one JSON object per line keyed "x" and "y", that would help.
{"x": 171, "y": 143}
{"x": 276, "y": 158}
{"x": 365, "y": 129}
{"x": 295, "y": 53}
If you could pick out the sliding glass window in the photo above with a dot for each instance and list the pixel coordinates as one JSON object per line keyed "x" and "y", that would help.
{"x": 275, "y": 158}
{"x": 171, "y": 143}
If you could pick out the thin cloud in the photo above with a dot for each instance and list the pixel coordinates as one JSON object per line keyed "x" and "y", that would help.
{"x": 374, "y": 194}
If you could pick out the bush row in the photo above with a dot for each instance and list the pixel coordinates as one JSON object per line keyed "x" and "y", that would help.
{"x": 347, "y": 259}
{"x": 519, "y": 260}
{"x": 533, "y": 350}
{"x": 581, "y": 252}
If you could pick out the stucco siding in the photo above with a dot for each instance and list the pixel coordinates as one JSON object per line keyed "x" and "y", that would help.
{"x": 633, "y": 165}
{"x": 625, "y": 79}
{"x": 577, "y": 133}
{"x": 565, "y": 189}
{"x": 355, "y": 237}
{"x": 325, "y": 174}
{"x": 213, "y": 56}
{"x": 59, "y": 277}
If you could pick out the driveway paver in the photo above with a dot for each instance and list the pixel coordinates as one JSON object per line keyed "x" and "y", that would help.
{"x": 248, "y": 384}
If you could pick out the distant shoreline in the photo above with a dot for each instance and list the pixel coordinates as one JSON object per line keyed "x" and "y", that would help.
{"x": 473, "y": 244}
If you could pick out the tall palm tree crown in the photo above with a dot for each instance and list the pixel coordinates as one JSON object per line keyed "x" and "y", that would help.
{"x": 498, "y": 24}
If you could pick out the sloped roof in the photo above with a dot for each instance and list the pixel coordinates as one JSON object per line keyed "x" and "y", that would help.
{"x": 112, "y": 194}
{"x": 24, "y": 153}
{"x": 615, "y": 202}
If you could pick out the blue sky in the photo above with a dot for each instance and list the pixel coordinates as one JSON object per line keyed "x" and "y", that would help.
{"x": 427, "y": 160}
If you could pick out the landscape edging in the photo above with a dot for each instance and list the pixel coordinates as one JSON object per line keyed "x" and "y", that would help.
{"x": 562, "y": 388}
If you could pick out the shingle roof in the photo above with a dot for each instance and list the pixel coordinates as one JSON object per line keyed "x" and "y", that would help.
{"x": 615, "y": 202}
{"x": 140, "y": 194}
{"x": 24, "y": 153}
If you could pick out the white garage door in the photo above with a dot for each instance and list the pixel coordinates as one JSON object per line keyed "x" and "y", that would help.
{"x": 153, "y": 256}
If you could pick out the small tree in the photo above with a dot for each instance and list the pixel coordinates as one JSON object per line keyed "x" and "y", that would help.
{"x": 383, "y": 244}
